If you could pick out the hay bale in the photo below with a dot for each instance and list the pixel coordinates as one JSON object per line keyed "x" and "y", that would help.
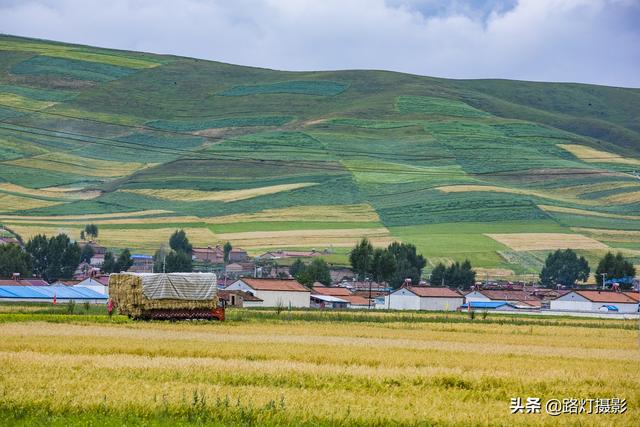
{"x": 127, "y": 291}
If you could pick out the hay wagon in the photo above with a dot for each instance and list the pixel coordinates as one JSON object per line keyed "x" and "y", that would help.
{"x": 171, "y": 296}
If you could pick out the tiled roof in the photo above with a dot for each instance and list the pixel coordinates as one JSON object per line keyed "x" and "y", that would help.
{"x": 356, "y": 300}
{"x": 633, "y": 295}
{"x": 426, "y": 291}
{"x": 274, "y": 285}
{"x": 246, "y": 296}
{"x": 332, "y": 291}
{"x": 508, "y": 295}
{"x": 606, "y": 296}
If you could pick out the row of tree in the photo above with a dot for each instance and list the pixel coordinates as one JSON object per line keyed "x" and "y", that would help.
{"x": 393, "y": 264}
{"x": 564, "y": 267}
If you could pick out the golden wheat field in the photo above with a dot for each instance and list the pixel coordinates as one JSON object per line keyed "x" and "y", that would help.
{"x": 280, "y": 370}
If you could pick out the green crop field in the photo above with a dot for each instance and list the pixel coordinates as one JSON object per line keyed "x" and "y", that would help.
{"x": 435, "y": 162}
{"x": 309, "y": 368}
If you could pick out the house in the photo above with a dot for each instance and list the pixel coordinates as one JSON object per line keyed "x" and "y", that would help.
{"x": 239, "y": 299}
{"x": 279, "y": 254}
{"x": 489, "y": 305}
{"x": 16, "y": 281}
{"x": 274, "y": 292}
{"x": 141, "y": 264}
{"x": 328, "y": 301}
{"x": 238, "y": 255}
{"x": 99, "y": 286}
{"x": 213, "y": 255}
{"x": 424, "y": 298}
{"x": 341, "y": 275}
{"x": 513, "y": 296}
{"x": 595, "y": 300}
{"x": 354, "y": 301}
{"x": 239, "y": 269}
{"x": 61, "y": 294}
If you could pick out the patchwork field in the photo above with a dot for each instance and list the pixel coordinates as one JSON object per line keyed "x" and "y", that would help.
{"x": 116, "y": 138}
{"x": 304, "y": 368}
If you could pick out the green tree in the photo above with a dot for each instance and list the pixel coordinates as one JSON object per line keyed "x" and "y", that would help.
{"x": 124, "y": 261}
{"x": 296, "y": 267}
{"x": 86, "y": 253}
{"x": 383, "y": 265}
{"x": 14, "y": 260}
{"x": 457, "y": 274}
{"x": 38, "y": 250}
{"x": 408, "y": 263}
{"x": 615, "y": 267}
{"x": 227, "y": 250}
{"x": 439, "y": 275}
{"x": 564, "y": 268}
{"x": 316, "y": 271}
{"x": 180, "y": 243}
{"x": 109, "y": 264}
{"x": 91, "y": 230}
{"x": 178, "y": 262}
{"x": 82, "y": 235}
{"x": 361, "y": 258}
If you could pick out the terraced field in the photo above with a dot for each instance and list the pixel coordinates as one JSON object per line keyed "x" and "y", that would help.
{"x": 142, "y": 143}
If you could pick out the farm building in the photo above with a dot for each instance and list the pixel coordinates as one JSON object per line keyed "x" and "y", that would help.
{"x": 214, "y": 255}
{"x": 515, "y": 297}
{"x": 239, "y": 299}
{"x": 354, "y": 301}
{"x": 596, "y": 301}
{"x": 423, "y": 298}
{"x": 48, "y": 293}
{"x": 23, "y": 282}
{"x": 238, "y": 255}
{"x": 95, "y": 285}
{"x": 489, "y": 305}
{"x": 328, "y": 301}
{"x": 141, "y": 264}
{"x": 279, "y": 254}
{"x": 239, "y": 269}
{"x": 274, "y": 292}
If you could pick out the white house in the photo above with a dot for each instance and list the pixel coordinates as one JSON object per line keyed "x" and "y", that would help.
{"x": 274, "y": 292}
{"x": 424, "y": 298}
{"x": 94, "y": 285}
{"x": 595, "y": 301}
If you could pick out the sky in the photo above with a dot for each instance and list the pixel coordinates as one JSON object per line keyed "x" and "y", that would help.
{"x": 586, "y": 41}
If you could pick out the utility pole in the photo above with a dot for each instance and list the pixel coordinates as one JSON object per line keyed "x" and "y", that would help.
{"x": 604, "y": 276}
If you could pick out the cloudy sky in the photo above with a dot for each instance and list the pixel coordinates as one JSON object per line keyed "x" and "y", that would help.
{"x": 591, "y": 41}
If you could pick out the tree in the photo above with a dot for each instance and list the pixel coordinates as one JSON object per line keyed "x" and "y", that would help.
{"x": 457, "y": 274}
{"x": 361, "y": 258}
{"x": 383, "y": 265}
{"x": 14, "y": 260}
{"x": 408, "y": 263}
{"x": 82, "y": 235}
{"x": 227, "y": 250}
{"x": 91, "y": 230}
{"x": 124, "y": 261}
{"x": 38, "y": 249}
{"x": 86, "y": 254}
{"x": 159, "y": 259}
{"x": 316, "y": 271}
{"x": 178, "y": 262}
{"x": 180, "y": 243}
{"x": 564, "y": 268}
{"x": 109, "y": 264}
{"x": 297, "y": 267}
{"x": 615, "y": 267}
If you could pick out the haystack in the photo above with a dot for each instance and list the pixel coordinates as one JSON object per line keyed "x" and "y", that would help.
{"x": 140, "y": 295}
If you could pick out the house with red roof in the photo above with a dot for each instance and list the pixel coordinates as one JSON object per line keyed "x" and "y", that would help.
{"x": 424, "y": 298}
{"x": 274, "y": 292}
{"x": 597, "y": 300}
{"x": 353, "y": 301}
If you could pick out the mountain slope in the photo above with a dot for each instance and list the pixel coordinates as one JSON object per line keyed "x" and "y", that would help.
{"x": 496, "y": 171}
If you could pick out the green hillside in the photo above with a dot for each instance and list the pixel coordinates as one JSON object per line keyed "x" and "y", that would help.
{"x": 496, "y": 171}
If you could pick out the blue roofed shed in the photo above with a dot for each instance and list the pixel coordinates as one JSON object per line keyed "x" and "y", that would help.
{"x": 46, "y": 294}
{"x": 489, "y": 305}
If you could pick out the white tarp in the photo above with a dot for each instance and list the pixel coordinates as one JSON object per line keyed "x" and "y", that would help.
{"x": 184, "y": 286}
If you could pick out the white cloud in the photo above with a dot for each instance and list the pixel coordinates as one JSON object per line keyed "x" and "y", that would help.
{"x": 593, "y": 41}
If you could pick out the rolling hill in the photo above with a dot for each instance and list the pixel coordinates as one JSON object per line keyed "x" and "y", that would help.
{"x": 496, "y": 171}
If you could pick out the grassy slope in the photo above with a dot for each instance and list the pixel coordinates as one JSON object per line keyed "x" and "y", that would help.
{"x": 87, "y": 118}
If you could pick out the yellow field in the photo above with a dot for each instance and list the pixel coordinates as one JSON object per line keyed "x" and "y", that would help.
{"x": 84, "y": 166}
{"x": 43, "y": 192}
{"x": 220, "y": 196}
{"x": 307, "y": 238}
{"x": 559, "y": 209}
{"x": 327, "y": 213}
{"x": 546, "y": 241}
{"x": 591, "y": 155}
{"x": 18, "y": 101}
{"x": 623, "y": 198}
{"x": 321, "y": 372}
{"x": 87, "y": 217}
{"x": 11, "y": 203}
{"x": 146, "y": 240}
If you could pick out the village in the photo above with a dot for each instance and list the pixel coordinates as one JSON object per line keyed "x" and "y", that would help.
{"x": 265, "y": 281}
